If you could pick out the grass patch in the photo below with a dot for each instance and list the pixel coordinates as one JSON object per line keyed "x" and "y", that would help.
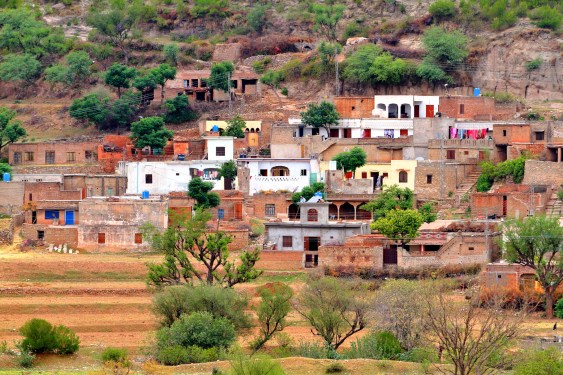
{"x": 285, "y": 277}
{"x": 73, "y": 275}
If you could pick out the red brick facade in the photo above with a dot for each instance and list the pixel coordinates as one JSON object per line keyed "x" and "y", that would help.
{"x": 475, "y": 108}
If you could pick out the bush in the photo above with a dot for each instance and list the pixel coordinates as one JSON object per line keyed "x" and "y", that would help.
{"x": 534, "y": 64}
{"x": 255, "y": 366}
{"x": 310, "y": 350}
{"x": 419, "y": 355}
{"x": 540, "y": 362}
{"x": 547, "y": 17}
{"x": 284, "y": 91}
{"x": 39, "y": 336}
{"x": 335, "y": 368}
{"x": 377, "y": 345}
{"x": 559, "y": 304}
{"x": 177, "y": 355}
{"x": 442, "y": 9}
{"x": 198, "y": 329}
{"x": 66, "y": 341}
{"x": 354, "y": 29}
{"x": 116, "y": 355}
{"x": 25, "y": 359}
{"x": 176, "y": 301}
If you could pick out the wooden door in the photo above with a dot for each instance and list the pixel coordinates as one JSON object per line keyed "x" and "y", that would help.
{"x": 238, "y": 210}
{"x": 429, "y": 111}
{"x": 367, "y": 133}
{"x": 416, "y": 111}
{"x": 404, "y": 133}
{"x": 390, "y": 255}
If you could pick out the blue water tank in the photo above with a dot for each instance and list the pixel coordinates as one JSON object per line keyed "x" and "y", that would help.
{"x": 6, "y": 177}
{"x": 476, "y": 91}
{"x": 145, "y": 194}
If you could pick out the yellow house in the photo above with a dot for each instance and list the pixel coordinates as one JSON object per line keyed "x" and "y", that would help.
{"x": 397, "y": 172}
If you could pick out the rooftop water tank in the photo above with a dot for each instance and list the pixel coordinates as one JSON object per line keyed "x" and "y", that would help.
{"x": 476, "y": 91}
{"x": 145, "y": 194}
{"x": 6, "y": 177}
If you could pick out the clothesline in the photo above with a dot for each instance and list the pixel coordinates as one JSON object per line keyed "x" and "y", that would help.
{"x": 467, "y": 133}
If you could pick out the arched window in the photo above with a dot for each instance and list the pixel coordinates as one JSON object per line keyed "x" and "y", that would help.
{"x": 280, "y": 171}
{"x": 312, "y": 215}
{"x": 403, "y": 176}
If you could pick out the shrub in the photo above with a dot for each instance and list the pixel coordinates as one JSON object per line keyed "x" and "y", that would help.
{"x": 117, "y": 355}
{"x": 260, "y": 66}
{"x": 419, "y": 355}
{"x": 335, "y": 368}
{"x": 198, "y": 329}
{"x": 66, "y": 341}
{"x": 284, "y": 91}
{"x": 547, "y": 17}
{"x": 504, "y": 21}
{"x": 255, "y": 366}
{"x": 25, "y": 359}
{"x": 177, "y": 355}
{"x": 377, "y": 345}
{"x": 310, "y": 350}
{"x": 353, "y": 29}
{"x": 560, "y": 195}
{"x": 534, "y": 64}
{"x": 540, "y": 362}
{"x": 38, "y": 336}
{"x": 559, "y": 304}
{"x": 176, "y": 301}
{"x": 442, "y": 9}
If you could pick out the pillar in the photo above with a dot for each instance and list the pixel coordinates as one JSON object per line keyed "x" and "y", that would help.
{"x": 559, "y": 155}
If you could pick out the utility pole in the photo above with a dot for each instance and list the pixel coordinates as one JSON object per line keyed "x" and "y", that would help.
{"x": 337, "y": 77}
{"x": 229, "y": 92}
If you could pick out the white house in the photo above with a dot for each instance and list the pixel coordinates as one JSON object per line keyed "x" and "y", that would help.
{"x": 220, "y": 148}
{"x": 405, "y": 106}
{"x": 360, "y": 128}
{"x": 278, "y": 174}
{"x": 165, "y": 177}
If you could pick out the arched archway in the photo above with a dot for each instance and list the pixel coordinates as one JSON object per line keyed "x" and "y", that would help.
{"x": 347, "y": 211}
{"x": 293, "y": 212}
{"x": 332, "y": 212}
{"x": 393, "y": 111}
{"x": 406, "y": 111}
{"x": 312, "y": 215}
{"x": 362, "y": 214}
{"x": 280, "y": 171}
{"x": 403, "y": 177}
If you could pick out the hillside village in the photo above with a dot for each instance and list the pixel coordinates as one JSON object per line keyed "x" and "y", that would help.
{"x": 182, "y": 200}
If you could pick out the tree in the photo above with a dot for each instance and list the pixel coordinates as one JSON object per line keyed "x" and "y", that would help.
{"x": 10, "y": 128}
{"x": 178, "y": 110}
{"x": 91, "y": 107}
{"x": 120, "y": 76}
{"x": 273, "y": 78}
{"x": 320, "y": 115}
{"x": 349, "y": 161}
{"x": 161, "y": 75}
{"x": 256, "y": 18}
{"x": 333, "y": 308}
{"x": 399, "y": 225}
{"x": 200, "y": 191}
{"x": 210, "y": 8}
{"x": 392, "y": 198}
{"x": 220, "y": 74}
{"x": 236, "y": 127}
{"x": 23, "y": 68}
{"x": 428, "y": 213}
{"x": 397, "y": 306}
{"x": 470, "y": 336}
{"x": 170, "y": 52}
{"x": 357, "y": 66}
{"x": 445, "y": 50}
{"x": 327, "y": 17}
{"x": 123, "y": 110}
{"x": 387, "y": 70}
{"x": 272, "y": 311}
{"x": 536, "y": 242}
{"x": 228, "y": 170}
{"x": 117, "y": 23}
{"x": 442, "y": 9}
{"x": 77, "y": 69}
{"x": 194, "y": 253}
{"x": 547, "y": 17}
{"x": 150, "y": 132}
{"x": 5, "y": 168}
{"x": 308, "y": 191}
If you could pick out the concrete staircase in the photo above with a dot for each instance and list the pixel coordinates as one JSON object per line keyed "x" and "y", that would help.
{"x": 464, "y": 190}
{"x": 554, "y": 207}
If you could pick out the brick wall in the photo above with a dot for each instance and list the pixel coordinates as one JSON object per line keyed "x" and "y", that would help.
{"x": 544, "y": 172}
{"x": 6, "y": 231}
{"x": 281, "y": 201}
{"x": 350, "y": 257}
{"x": 61, "y": 235}
{"x": 280, "y": 260}
{"x": 11, "y": 197}
{"x": 227, "y": 52}
{"x": 465, "y": 150}
{"x": 510, "y": 133}
{"x": 354, "y": 107}
{"x": 65, "y": 152}
{"x": 453, "y": 176}
{"x": 96, "y": 185}
{"x": 38, "y": 191}
{"x": 475, "y": 108}
{"x": 59, "y": 169}
{"x": 514, "y": 151}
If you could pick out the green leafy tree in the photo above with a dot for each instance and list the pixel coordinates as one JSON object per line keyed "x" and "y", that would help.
{"x": 10, "y": 128}
{"x": 444, "y": 51}
{"x": 540, "y": 362}
{"x": 123, "y": 110}
{"x": 547, "y": 17}
{"x": 558, "y": 305}
{"x": 349, "y": 161}
{"x": 442, "y": 9}
{"x": 387, "y": 70}
{"x": 77, "y": 69}
{"x": 161, "y": 75}
{"x": 537, "y": 242}
{"x": 333, "y": 308}
{"x": 327, "y": 52}
{"x": 228, "y": 170}
{"x": 146, "y": 83}
{"x": 92, "y": 107}
{"x": 428, "y": 213}
{"x": 327, "y": 17}
{"x": 117, "y": 23}
{"x": 201, "y": 191}
{"x": 308, "y": 191}
{"x": 210, "y": 8}
{"x": 272, "y": 311}
{"x": 178, "y": 110}
{"x": 357, "y": 66}
{"x": 120, "y": 76}
{"x": 391, "y": 198}
{"x": 5, "y": 168}
{"x": 219, "y": 77}
{"x": 355, "y": 29}
{"x": 170, "y": 52}
{"x": 150, "y": 131}
{"x": 193, "y": 252}
{"x": 399, "y": 225}
{"x": 236, "y": 127}
{"x": 256, "y": 18}
{"x": 273, "y": 78}
{"x": 432, "y": 73}
{"x": 57, "y": 73}
{"x": 24, "y": 68}
{"x": 320, "y": 115}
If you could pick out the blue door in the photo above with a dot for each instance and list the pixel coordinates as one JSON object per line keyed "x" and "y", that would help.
{"x": 69, "y": 218}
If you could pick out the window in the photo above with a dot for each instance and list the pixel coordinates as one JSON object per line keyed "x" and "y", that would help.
{"x": 461, "y": 109}
{"x": 110, "y": 192}
{"x": 101, "y": 238}
{"x": 70, "y": 156}
{"x": 539, "y": 136}
{"x": 138, "y": 238}
{"x": 186, "y": 83}
{"x": 471, "y": 248}
{"x": 40, "y": 234}
{"x": 303, "y": 172}
{"x": 263, "y": 172}
{"x": 220, "y": 151}
{"x": 465, "y": 152}
{"x": 148, "y": 179}
{"x": 428, "y": 178}
{"x": 51, "y": 215}
{"x": 270, "y": 210}
{"x": 315, "y": 131}
{"x": 287, "y": 241}
{"x": 364, "y": 175}
{"x": 90, "y": 155}
{"x": 450, "y": 154}
{"x": 17, "y": 157}
{"x": 221, "y": 213}
{"x": 312, "y": 215}
{"x": 28, "y": 156}
{"x": 30, "y": 197}
{"x": 504, "y": 133}
{"x": 49, "y": 157}
{"x": 403, "y": 176}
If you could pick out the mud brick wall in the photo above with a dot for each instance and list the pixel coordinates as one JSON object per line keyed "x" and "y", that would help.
{"x": 61, "y": 150}
{"x": 544, "y": 172}
{"x": 355, "y": 107}
{"x": 6, "y": 231}
{"x": 61, "y": 235}
{"x": 478, "y": 108}
{"x": 11, "y": 197}
{"x": 514, "y": 151}
{"x": 281, "y": 202}
{"x": 350, "y": 257}
{"x": 280, "y": 260}
{"x": 59, "y": 169}
{"x": 453, "y": 176}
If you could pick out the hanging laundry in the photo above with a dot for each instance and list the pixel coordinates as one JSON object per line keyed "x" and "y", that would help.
{"x": 453, "y": 133}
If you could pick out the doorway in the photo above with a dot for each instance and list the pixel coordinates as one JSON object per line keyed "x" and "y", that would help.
{"x": 429, "y": 111}
{"x": 390, "y": 255}
{"x": 374, "y": 176}
{"x": 312, "y": 243}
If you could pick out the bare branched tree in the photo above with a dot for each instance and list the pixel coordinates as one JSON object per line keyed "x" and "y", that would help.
{"x": 472, "y": 338}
